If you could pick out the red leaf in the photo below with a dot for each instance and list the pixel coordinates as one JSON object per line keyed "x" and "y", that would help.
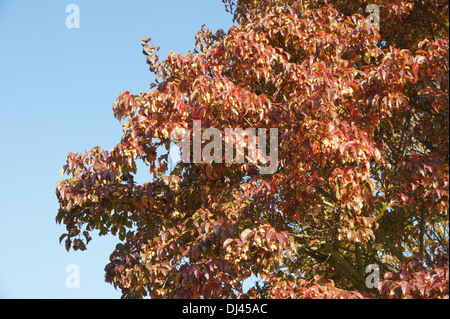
{"x": 194, "y": 251}
{"x": 245, "y": 234}
{"x": 227, "y": 242}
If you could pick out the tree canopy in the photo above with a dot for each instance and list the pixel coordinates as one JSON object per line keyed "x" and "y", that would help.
{"x": 362, "y": 175}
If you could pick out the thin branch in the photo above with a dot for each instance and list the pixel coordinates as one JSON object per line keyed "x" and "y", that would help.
{"x": 359, "y": 260}
{"x": 422, "y": 230}
{"x": 349, "y": 270}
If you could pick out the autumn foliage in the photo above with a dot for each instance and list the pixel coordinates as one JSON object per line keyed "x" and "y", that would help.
{"x": 363, "y": 174}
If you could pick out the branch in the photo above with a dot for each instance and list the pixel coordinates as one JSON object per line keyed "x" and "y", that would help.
{"x": 338, "y": 267}
{"x": 346, "y": 268}
{"x": 422, "y": 229}
{"x": 359, "y": 260}
{"x": 394, "y": 250}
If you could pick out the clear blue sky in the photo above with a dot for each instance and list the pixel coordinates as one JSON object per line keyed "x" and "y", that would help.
{"x": 57, "y": 86}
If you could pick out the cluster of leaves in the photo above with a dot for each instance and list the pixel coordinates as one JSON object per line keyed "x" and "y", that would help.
{"x": 362, "y": 119}
{"x": 304, "y": 289}
{"x": 413, "y": 281}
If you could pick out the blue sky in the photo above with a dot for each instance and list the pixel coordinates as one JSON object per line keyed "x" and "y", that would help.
{"x": 57, "y": 86}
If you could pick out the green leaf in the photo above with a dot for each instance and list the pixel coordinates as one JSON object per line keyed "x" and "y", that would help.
{"x": 81, "y": 245}
{"x": 122, "y": 233}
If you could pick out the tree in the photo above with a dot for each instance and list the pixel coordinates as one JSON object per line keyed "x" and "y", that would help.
{"x": 363, "y": 160}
